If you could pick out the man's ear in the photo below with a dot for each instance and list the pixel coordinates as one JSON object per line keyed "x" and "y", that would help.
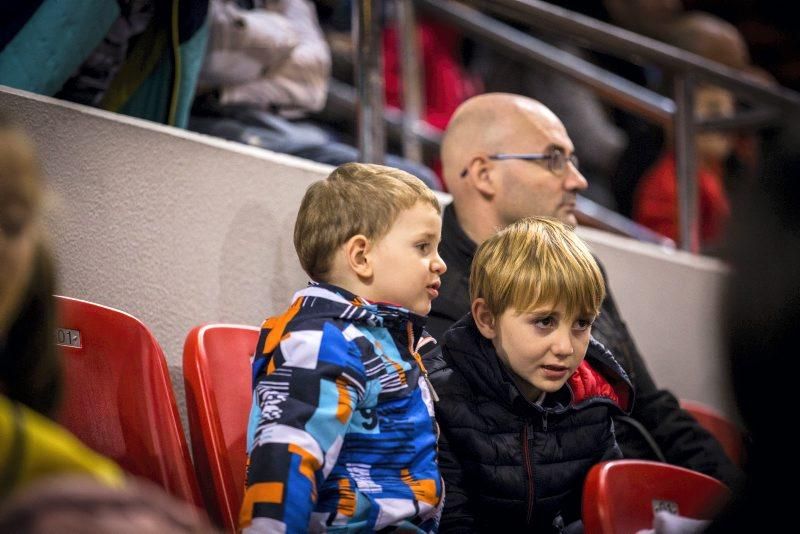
{"x": 484, "y": 319}
{"x": 480, "y": 173}
{"x": 356, "y": 251}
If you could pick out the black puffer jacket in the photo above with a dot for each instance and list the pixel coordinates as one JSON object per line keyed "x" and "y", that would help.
{"x": 657, "y": 425}
{"x": 508, "y": 464}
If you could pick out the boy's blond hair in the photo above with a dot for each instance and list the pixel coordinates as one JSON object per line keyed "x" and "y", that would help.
{"x": 534, "y": 262}
{"x": 356, "y": 198}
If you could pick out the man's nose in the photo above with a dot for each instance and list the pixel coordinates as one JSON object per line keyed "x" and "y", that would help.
{"x": 574, "y": 180}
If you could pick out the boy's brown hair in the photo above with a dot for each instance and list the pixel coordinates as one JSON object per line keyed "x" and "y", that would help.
{"x": 356, "y": 198}
{"x": 536, "y": 261}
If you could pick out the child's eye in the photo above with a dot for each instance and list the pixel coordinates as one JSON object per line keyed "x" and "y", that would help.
{"x": 545, "y": 322}
{"x": 582, "y": 324}
{"x": 423, "y": 246}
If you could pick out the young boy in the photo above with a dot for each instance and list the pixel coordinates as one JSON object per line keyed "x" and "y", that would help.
{"x": 523, "y": 415}
{"x": 341, "y": 435}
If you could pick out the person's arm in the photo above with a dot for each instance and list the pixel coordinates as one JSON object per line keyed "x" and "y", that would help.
{"x": 680, "y": 438}
{"x": 456, "y": 516}
{"x": 300, "y": 415}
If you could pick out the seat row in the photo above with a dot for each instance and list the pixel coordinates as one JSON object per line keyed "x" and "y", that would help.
{"x": 119, "y": 400}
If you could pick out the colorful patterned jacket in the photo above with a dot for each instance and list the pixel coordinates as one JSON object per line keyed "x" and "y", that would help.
{"x": 341, "y": 435}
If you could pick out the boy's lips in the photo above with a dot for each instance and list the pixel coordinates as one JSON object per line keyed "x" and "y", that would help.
{"x": 433, "y": 289}
{"x": 555, "y": 372}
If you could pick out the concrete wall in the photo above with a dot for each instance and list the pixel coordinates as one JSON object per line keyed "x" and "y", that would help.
{"x": 179, "y": 229}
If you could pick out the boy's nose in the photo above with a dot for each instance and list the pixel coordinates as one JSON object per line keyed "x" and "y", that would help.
{"x": 438, "y": 265}
{"x": 562, "y": 344}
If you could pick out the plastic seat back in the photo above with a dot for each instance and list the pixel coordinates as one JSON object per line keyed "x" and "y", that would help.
{"x": 622, "y": 496}
{"x": 218, "y": 378}
{"x": 726, "y": 431}
{"x": 118, "y": 397}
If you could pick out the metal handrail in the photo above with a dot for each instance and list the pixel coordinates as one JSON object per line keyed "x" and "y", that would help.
{"x": 367, "y": 15}
{"x": 688, "y": 68}
{"x": 624, "y": 93}
{"x": 633, "y": 46}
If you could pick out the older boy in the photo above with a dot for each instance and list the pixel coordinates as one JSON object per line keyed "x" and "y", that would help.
{"x": 523, "y": 415}
{"x": 342, "y": 436}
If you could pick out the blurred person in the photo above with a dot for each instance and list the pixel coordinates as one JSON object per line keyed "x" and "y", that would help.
{"x": 769, "y": 30}
{"x": 81, "y": 505}
{"x": 30, "y": 372}
{"x": 507, "y": 157}
{"x": 760, "y": 313}
{"x": 266, "y": 71}
{"x": 31, "y": 445}
{"x": 656, "y": 196}
{"x": 136, "y": 57}
{"x": 49, "y": 480}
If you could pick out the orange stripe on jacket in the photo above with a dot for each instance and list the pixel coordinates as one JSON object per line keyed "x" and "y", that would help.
{"x": 343, "y": 409}
{"x": 347, "y": 499}
{"x": 277, "y": 326}
{"x": 308, "y": 467}
{"x": 424, "y": 490}
{"x": 266, "y": 492}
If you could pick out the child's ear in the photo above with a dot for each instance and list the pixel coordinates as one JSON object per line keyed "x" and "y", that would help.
{"x": 356, "y": 251}
{"x": 484, "y": 319}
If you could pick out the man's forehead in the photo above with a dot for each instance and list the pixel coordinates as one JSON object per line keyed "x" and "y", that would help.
{"x": 536, "y": 124}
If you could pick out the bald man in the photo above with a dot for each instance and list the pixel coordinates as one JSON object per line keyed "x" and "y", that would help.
{"x": 505, "y": 157}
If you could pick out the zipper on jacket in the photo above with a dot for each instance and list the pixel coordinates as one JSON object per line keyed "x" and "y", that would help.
{"x": 544, "y": 421}
{"x": 526, "y": 458}
{"x": 418, "y": 358}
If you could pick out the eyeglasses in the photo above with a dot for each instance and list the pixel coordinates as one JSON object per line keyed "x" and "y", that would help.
{"x": 557, "y": 160}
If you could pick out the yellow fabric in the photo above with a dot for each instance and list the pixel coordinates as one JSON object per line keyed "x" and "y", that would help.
{"x": 48, "y": 449}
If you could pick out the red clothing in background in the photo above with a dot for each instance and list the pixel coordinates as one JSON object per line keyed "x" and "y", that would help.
{"x": 445, "y": 80}
{"x": 656, "y": 200}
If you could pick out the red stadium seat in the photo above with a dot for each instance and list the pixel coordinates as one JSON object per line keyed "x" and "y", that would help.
{"x": 722, "y": 428}
{"x": 216, "y": 371}
{"x": 118, "y": 397}
{"x": 622, "y": 496}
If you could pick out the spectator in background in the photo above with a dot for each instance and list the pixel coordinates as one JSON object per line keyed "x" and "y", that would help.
{"x": 656, "y": 197}
{"x": 769, "y": 30}
{"x": 136, "y": 57}
{"x": 266, "y": 70}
